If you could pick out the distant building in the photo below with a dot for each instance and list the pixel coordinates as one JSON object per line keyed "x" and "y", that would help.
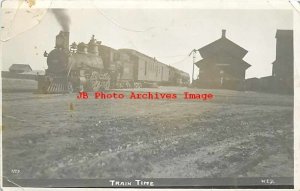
{"x": 35, "y": 72}
{"x": 222, "y": 65}
{"x": 282, "y": 71}
{"x": 20, "y": 68}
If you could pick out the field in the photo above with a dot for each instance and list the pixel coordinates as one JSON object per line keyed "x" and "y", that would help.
{"x": 18, "y": 85}
{"x": 237, "y": 134}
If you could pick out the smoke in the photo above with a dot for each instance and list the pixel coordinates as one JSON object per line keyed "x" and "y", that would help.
{"x": 62, "y": 18}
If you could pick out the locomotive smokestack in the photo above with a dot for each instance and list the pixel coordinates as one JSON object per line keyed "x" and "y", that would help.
{"x": 62, "y": 41}
{"x": 62, "y": 18}
{"x": 66, "y": 44}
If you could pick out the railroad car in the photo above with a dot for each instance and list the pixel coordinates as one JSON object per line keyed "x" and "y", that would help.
{"x": 178, "y": 77}
{"x": 140, "y": 70}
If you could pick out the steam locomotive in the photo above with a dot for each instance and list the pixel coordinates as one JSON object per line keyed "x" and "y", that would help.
{"x": 95, "y": 67}
{"x": 76, "y": 69}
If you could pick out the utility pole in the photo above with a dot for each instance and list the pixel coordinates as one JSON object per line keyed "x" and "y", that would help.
{"x": 194, "y": 58}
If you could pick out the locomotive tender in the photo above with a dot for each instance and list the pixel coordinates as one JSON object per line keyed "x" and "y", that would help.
{"x": 95, "y": 67}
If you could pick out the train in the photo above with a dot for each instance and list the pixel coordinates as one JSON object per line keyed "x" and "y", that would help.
{"x": 95, "y": 67}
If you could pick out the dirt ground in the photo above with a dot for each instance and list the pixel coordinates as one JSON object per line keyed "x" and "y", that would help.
{"x": 237, "y": 134}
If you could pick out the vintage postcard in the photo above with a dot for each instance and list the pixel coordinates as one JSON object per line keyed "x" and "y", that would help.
{"x": 133, "y": 94}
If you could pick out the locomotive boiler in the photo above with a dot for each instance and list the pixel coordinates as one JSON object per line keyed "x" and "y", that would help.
{"x": 78, "y": 68}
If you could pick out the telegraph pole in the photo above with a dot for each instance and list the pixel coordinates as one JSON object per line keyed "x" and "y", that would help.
{"x": 194, "y": 58}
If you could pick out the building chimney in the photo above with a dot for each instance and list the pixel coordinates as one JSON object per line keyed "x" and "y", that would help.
{"x": 223, "y": 33}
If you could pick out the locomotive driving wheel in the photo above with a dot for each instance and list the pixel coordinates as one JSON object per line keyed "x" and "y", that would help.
{"x": 94, "y": 81}
{"x": 105, "y": 81}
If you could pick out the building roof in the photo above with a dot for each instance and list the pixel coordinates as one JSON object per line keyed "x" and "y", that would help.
{"x": 25, "y": 67}
{"x": 266, "y": 77}
{"x": 222, "y": 62}
{"x": 221, "y": 46}
{"x": 251, "y": 79}
{"x": 35, "y": 72}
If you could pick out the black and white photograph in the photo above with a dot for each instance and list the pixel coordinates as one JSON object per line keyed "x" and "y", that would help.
{"x": 147, "y": 98}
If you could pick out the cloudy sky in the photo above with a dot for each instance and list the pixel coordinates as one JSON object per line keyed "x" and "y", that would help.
{"x": 167, "y": 34}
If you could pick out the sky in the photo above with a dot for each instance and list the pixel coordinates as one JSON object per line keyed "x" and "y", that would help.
{"x": 167, "y": 34}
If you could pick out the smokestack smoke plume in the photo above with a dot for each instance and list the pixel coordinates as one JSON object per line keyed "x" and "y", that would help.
{"x": 62, "y": 18}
